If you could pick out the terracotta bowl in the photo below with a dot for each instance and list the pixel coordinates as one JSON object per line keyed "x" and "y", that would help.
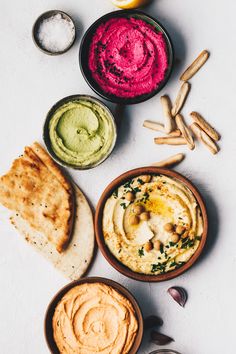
{"x": 48, "y": 331}
{"x": 99, "y": 233}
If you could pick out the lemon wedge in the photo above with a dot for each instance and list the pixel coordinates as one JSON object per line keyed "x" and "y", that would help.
{"x": 129, "y": 4}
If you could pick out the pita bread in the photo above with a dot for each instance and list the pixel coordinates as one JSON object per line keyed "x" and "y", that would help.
{"x": 36, "y": 189}
{"x": 75, "y": 260}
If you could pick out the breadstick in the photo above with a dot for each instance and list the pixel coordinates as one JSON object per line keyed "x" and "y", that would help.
{"x": 195, "y": 66}
{"x": 170, "y": 140}
{"x": 169, "y": 121}
{"x": 181, "y": 98}
{"x": 185, "y": 131}
{"x": 154, "y": 126}
{"x": 204, "y": 138}
{"x": 172, "y": 160}
{"x": 197, "y": 118}
{"x": 175, "y": 133}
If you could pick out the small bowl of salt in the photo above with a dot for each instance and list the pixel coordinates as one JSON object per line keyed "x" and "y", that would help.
{"x": 54, "y": 32}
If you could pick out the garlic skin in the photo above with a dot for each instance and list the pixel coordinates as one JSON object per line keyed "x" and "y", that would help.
{"x": 178, "y": 294}
{"x": 160, "y": 339}
{"x": 152, "y": 321}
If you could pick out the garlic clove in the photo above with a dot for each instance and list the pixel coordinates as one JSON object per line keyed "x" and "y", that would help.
{"x": 152, "y": 321}
{"x": 160, "y": 339}
{"x": 178, "y": 294}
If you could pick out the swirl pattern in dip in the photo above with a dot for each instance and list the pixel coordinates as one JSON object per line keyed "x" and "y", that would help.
{"x": 152, "y": 224}
{"x": 94, "y": 318}
{"x": 128, "y": 57}
{"x": 81, "y": 132}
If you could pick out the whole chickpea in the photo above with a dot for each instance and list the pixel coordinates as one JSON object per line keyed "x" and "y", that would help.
{"x": 174, "y": 237}
{"x": 145, "y": 216}
{"x": 134, "y": 220}
{"x": 157, "y": 245}
{"x": 146, "y": 178}
{"x": 191, "y": 234}
{"x": 129, "y": 196}
{"x": 169, "y": 227}
{"x": 180, "y": 229}
{"x": 148, "y": 246}
{"x": 138, "y": 209}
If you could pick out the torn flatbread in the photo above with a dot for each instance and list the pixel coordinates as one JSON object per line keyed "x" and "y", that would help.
{"x": 75, "y": 260}
{"x": 36, "y": 189}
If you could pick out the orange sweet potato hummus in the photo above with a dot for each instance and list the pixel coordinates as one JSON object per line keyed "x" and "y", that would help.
{"x": 94, "y": 318}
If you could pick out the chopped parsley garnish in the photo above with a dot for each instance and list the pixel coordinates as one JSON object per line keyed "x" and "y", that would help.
{"x": 136, "y": 189}
{"x": 123, "y": 205}
{"x": 145, "y": 197}
{"x": 161, "y": 248}
{"x": 115, "y": 193}
{"x": 141, "y": 252}
{"x": 140, "y": 181}
{"x": 161, "y": 267}
{"x": 187, "y": 243}
{"x": 173, "y": 264}
{"x": 178, "y": 265}
{"x": 198, "y": 238}
{"x": 172, "y": 244}
{"x": 155, "y": 268}
{"x": 128, "y": 184}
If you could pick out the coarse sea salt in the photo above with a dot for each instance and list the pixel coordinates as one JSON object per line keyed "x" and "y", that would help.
{"x": 56, "y": 33}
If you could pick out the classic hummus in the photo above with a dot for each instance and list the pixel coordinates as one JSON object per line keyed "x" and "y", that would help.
{"x": 128, "y": 57}
{"x": 94, "y": 318}
{"x": 81, "y": 133}
{"x": 152, "y": 224}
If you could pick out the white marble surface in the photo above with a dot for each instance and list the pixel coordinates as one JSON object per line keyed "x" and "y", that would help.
{"x": 31, "y": 82}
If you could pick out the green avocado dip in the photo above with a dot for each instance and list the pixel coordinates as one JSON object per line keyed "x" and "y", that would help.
{"x": 82, "y": 133}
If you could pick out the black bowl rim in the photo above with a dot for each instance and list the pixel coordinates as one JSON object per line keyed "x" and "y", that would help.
{"x": 94, "y": 279}
{"x": 43, "y": 16}
{"x": 141, "y": 98}
{"x": 160, "y": 351}
{"x": 46, "y": 138}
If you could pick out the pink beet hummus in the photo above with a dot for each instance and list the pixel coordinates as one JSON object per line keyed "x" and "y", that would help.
{"x": 128, "y": 57}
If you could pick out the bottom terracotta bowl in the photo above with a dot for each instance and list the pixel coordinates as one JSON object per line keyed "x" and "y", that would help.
{"x": 99, "y": 216}
{"x": 48, "y": 330}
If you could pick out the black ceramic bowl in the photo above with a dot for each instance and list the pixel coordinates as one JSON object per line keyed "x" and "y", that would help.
{"x": 84, "y": 55}
{"x": 51, "y": 112}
